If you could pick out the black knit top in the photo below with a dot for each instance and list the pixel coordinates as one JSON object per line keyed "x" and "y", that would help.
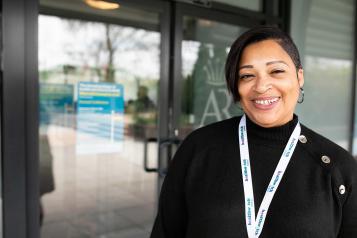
{"x": 265, "y": 148}
{"x": 202, "y": 195}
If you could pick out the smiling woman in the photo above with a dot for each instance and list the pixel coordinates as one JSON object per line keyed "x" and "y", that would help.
{"x": 304, "y": 184}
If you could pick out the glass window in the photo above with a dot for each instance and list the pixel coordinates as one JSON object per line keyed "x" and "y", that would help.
{"x": 98, "y": 104}
{"x": 205, "y": 98}
{"x": 255, "y": 5}
{"x": 323, "y": 31}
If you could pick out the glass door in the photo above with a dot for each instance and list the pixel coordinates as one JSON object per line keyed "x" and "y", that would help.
{"x": 203, "y": 97}
{"x": 100, "y": 80}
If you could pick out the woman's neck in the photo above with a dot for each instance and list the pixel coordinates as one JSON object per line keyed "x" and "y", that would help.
{"x": 271, "y": 135}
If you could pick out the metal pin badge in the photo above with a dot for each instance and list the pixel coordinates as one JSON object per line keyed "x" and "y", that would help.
{"x": 325, "y": 159}
{"x": 302, "y": 139}
{"x": 342, "y": 189}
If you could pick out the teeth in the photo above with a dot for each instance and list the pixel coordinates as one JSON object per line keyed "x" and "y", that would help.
{"x": 266, "y": 102}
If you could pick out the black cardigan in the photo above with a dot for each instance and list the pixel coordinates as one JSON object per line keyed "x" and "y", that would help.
{"x": 202, "y": 195}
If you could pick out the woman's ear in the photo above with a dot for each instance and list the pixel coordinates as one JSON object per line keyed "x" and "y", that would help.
{"x": 300, "y": 76}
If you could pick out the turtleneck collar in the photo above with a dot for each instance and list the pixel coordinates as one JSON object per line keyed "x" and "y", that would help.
{"x": 273, "y": 135}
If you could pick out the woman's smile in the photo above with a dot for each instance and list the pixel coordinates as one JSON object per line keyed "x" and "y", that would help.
{"x": 265, "y": 103}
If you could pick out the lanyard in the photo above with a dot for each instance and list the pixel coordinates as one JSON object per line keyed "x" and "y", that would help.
{"x": 255, "y": 226}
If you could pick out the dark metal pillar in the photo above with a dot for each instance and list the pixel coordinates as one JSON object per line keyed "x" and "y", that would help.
{"x": 19, "y": 68}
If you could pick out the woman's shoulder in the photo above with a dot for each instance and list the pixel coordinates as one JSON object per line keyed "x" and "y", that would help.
{"x": 217, "y": 131}
{"x": 323, "y": 148}
{"x": 207, "y": 138}
{"x": 216, "y": 135}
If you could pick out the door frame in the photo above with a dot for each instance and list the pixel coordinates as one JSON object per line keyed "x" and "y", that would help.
{"x": 20, "y": 187}
{"x": 20, "y": 115}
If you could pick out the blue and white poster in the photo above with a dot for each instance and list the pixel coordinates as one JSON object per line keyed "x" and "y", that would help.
{"x": 100, "y": 118}
{"x": 55, "y": 102}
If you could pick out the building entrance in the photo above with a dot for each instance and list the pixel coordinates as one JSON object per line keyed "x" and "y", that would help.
{"x": 118, "y": 90}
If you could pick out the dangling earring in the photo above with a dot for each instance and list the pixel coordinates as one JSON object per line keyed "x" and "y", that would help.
{"x": 301, "y": 96}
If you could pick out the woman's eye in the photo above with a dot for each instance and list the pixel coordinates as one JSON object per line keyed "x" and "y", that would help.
{"x": 245, "y": 76}
{"x": 277, "y": 71}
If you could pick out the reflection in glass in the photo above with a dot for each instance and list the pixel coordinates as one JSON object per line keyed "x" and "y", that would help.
{"x": 98, "y": 103}
{"x": 255, "y": 5}
{"x": 325, "y": 44}
{"x": 205, "y": 98}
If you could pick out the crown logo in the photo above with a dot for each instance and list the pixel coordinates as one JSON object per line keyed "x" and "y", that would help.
{"x": 214, "y": 69}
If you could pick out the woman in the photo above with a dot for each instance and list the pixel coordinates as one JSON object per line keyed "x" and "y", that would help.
{"x": 263, "y": 174}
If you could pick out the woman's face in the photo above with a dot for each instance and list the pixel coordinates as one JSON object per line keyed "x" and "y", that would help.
{"x": 268, "y": 84}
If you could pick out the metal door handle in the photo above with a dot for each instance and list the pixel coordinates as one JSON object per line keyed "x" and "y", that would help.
{"x": 146, "y": 142}
{"x": 170, "y": 141}
{"x": 162, "y": 144}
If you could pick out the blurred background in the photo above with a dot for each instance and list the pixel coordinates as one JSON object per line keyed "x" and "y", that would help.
{"x": 97, "y": 95}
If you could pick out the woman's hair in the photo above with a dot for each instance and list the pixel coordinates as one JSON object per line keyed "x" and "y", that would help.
{"x": 251, "y": 36}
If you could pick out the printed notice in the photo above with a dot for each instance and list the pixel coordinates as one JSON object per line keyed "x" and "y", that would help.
{"x": 100, "y": 118}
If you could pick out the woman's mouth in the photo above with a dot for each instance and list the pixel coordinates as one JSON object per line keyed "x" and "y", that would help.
{"x": 265, "y": 103}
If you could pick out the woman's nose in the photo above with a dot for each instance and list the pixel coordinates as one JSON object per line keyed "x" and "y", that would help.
{"x": 262, "y": 84}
